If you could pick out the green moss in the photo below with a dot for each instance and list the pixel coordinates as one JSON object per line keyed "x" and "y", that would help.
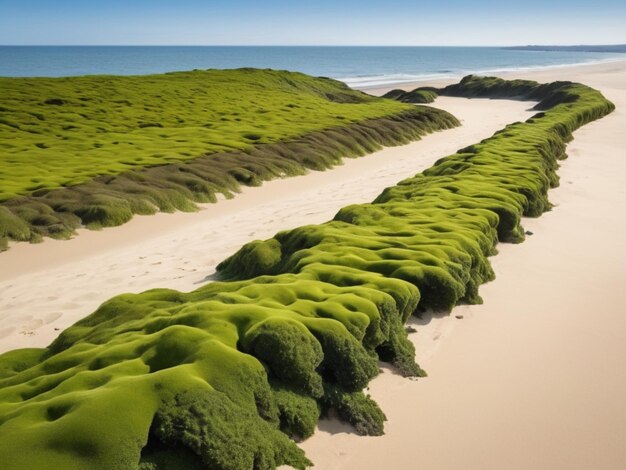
{"x": 357, "y": 409}
{"x": 290, "y": 351}
{"x": 160, "y": 457}
{"x": 12, "y": 227}
{"x": 222, "y": 435}
{"x": 221, "y": 375}
{"x": 418, "y": 95}
{"x": 298, "y": 413}
{"x": 140, "y": 121}
{"x": 117, "y": 146}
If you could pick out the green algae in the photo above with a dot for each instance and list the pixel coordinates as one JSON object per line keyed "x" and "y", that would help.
{"x": 64, "y": 131}
{"x": 94, "y": 151}
{"x": 219, "y": 377}
{"x": 417, "y": 96}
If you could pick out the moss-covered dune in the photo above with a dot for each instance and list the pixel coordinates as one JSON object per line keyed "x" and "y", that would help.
{"x": 473, "y": 86}
{"x": 418, "y": 95}
{"x": 95, "y": 150}
{"x": 71, "y": 129}
{"x": 219, "y": 377}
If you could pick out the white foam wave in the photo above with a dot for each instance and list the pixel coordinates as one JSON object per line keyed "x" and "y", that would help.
{"x": 385, "y": 80}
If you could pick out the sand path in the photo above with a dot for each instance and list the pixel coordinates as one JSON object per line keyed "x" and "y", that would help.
{"x": 45, "y": 288}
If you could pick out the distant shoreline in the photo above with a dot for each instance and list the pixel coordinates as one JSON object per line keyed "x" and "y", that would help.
{"x": 375, "y": 84}
{"x": 579, "y": 48}
{"x": 378, "y": 88}
{"x": 355, "y": 65}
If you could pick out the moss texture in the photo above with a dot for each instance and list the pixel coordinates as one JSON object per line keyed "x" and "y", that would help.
{"x": 221, "y": 376}
{"x": 93, "y": 151}
{"x": 419, "y": 95}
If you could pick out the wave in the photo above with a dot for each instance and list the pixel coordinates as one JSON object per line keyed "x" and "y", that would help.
{"x": 370, "y": 81}
{"x": 384, "y": 80}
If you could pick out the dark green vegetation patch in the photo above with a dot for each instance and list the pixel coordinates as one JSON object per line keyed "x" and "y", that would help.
{"x": 419, "y": 95}
{"x": 95, "y": 150}
{"x": 221, "y": 376}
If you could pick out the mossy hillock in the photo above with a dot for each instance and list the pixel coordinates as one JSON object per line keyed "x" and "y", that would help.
{"x": 473, "y": 86}
{"x": 94, "y": 151}
{"x": 220, "y": 377}
{"x": 420, "y": 95}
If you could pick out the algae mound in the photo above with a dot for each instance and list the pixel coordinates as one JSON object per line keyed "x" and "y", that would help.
{"x": 221, "y": 377}
{"x": 418, "y": 95}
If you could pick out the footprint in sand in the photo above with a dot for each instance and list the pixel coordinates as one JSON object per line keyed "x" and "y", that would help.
{"x": 70, "y": 305}
{"x": 52, "y": 317}
{"x": 29, "y": 328}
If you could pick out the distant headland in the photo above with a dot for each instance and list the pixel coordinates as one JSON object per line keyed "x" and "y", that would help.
{"x": 579, "y": 48}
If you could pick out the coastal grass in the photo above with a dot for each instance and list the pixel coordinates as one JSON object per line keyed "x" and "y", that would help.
{"x": 222, "y": 376}
{"x": 93, "y": 151}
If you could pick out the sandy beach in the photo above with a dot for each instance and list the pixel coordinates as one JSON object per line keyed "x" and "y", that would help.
{"x": 535, "y": 378}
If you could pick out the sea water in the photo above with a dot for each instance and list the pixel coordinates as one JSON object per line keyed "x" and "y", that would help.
{"x": 357, "y": 66}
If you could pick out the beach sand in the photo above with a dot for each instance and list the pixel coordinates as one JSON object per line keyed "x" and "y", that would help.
{"x": 533, "y": 379}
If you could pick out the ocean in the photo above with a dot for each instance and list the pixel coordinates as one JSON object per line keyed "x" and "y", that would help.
{"x": 357, "y": 66}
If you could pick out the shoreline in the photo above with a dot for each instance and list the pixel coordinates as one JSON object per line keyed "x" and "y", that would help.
{"x": 447, "y": 79}
{"x": 508, "y": 73}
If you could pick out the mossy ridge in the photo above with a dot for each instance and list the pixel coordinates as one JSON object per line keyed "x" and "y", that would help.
{"x": 184, "y": 379}
{"x": 113, "y": 200}
{"x": 418, "y": 95}
{"x": 473, "y": 86}
{"x": 245, "y": 359}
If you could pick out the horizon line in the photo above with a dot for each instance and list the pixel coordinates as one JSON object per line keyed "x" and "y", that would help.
{"x": 312, "y": 45}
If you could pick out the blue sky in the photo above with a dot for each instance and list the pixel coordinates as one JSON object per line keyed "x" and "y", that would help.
{"x": 321, "y": 22}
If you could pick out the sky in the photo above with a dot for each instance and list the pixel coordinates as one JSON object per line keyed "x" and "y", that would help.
{"x": 312, "y": 22}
